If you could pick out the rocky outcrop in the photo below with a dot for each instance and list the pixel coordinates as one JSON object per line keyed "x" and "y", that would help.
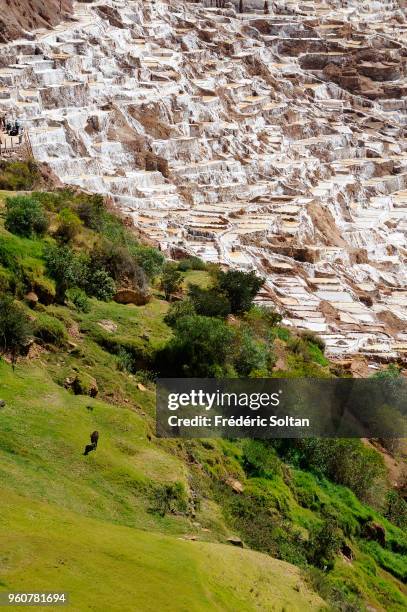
{"x": 132, "y": 296}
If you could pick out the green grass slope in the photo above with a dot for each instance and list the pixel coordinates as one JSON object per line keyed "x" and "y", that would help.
{"x": 60, "y": 515}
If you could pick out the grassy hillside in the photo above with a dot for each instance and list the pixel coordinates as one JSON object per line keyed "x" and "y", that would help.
{"x": 143, "y": 523}
{"x": 64, "y": 515}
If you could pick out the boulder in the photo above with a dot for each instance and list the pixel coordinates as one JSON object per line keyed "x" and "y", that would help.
{"x": 235, "y": 485}
{"x": 2, "y": 403}
{"x": 347, "y": 551}
{"x": 107, "y": 325}
{"x": 235, "y": 541}
{"x": 375, "y": 532}
{"x": 82, "y": 384}
{"x": 32, "y": 299}
{"x": 132, "y": 296}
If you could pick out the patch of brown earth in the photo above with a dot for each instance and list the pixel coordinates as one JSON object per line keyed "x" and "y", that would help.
{"x": 17, "y": 17}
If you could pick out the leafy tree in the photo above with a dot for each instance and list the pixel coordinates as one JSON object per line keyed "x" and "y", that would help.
{"x": 69, "y": 225}
{"x": 15, "y": 328}
{"x": 149, "y": 259}
{"x": 200, "y": 347}
{"x": 240, "y": 287}
{"x": 25, "y": 216}
{"x": 68, "y": 269}
{"x": 209, "y": 302}
{"x": 171, "y": 280}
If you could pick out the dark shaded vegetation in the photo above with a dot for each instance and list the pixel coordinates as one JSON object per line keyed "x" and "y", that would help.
{"x": 15, "y": 328}
{"x": 18, "y": 175}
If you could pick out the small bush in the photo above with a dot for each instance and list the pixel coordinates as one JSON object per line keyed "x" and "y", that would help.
{"x": 313, "y": 338}
{"x": 171, "y": 280}
{"x": 250, "y": 356}
{"x": 149, "y": 259}
{"x": 200, "y": 348}
{"x": 69, "y": 225}
{"x": 117, "y": 261}
{"x": 101, "y": 285}
{"x": 50, "y": 330}
{"x": 15, "y": 328}
{"x": 25, "y": 216}
{"x": 209, "y": 302}
{"x": 79, "y": 299}
{"x": 91, "y": 210}
{"x": 169, "y": 498}
{"x": 66, "y": 268}
{"x": 177, "y": 310}
{"x": 396, "y": 509}
{"x": 191, "y": 263}
{"x": 260, "y": 460}
{"x": 125, "y": 360}
{"x": 324, "y": 543}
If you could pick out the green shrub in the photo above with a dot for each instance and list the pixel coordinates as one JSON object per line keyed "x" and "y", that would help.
{"x": 346, "y": 461}
{"x": 15, "y": 328}
{"x": 169, "y": 498}
{"x": 79, "y": 299}
{"x": 50, "y": 330}
{"x": 171, "y": 280}
{"x": 249, "y": 354}
{"x": 260, "y": 460}
{"x": 69, "y": 225}
{"x": 149, "y": 259}
{"x": 240, "y": 288}
{"x": 68, "y": 269}
{"x": 262, "y": 319}
{"x": 125, "y": 361}
{"x": 342, "y": 595}
{"x": 191, "y": 263}
{"x": 25, "y": 216}
{"x": 324, "y": 542}
{"x": 117, "y": 261}
{"x": 91, "y": 210}
{"x": 201, "y": 347}
{"x": 313, "y": 338}
{"x": 101, "y": 285}
{"x": 282, "y": 333}
{"x": 209, "y": 302}
{"x": 396, "y": 509}
{"x": 177, "y": 310}
{"x": 253, "y": 514}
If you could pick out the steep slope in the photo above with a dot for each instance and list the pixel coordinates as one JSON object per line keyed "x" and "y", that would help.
{"x": 61, "y": 516}
{"x": 269, "y": 141}
{"x": 19, "y": 17}
{"x": 165, "y": 507}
